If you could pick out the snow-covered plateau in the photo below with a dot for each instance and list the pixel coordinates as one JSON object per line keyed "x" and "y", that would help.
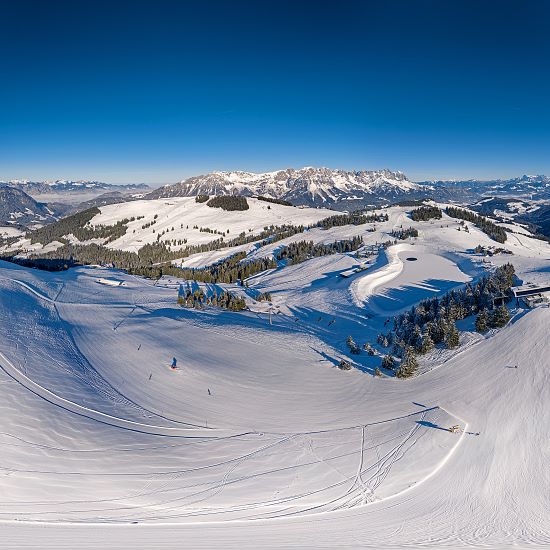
{"x": 255, "y": 438}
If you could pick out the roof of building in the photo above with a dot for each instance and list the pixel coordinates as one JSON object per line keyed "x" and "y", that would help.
{"x": 529, "y": 289}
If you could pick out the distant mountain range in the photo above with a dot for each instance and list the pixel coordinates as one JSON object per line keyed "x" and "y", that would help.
{"x": 305, "y": 186}
{"x": 69, "y": 186}
{"x": 535, "y": 187}
{"x": 346, "y": 190}
{"x": 316, "y": 187}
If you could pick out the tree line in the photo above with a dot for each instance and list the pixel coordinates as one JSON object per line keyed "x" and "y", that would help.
{"x": 229, "y": 202}
{"x": 198, "y": 299}
{"x": 274, "y": 201}
{"x": 304, "y": 250}
{"x": 403, "y": 234}
{"x": 353, "y": 218}
{"x": 425, "y": 213}
{"x": 494, "y": 231}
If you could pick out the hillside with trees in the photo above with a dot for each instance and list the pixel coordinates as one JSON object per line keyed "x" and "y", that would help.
{"x": 433, "y": 321}
{"x": 491, "y": 229}
{"x": 301, "y": 251}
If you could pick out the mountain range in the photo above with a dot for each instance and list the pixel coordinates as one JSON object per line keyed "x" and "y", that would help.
{"x": 305, "y": 186}
{"x": 309, "y": 186}
{"x": 346, "y": 190}
{"x": 71, "y": 186}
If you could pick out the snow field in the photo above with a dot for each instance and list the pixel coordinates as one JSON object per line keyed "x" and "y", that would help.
{"x": 286, "y": 450}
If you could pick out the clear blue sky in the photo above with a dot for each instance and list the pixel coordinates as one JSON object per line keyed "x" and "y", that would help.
{"x": 157, "y": 91}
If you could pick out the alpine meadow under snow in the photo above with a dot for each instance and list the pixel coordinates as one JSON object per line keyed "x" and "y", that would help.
{"x": 281, "y": 376}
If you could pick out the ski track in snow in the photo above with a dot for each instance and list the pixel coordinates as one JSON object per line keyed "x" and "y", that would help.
{"x": 296, "y": 453}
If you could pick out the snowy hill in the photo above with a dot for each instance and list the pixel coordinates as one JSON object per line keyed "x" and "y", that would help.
{"x": 257, "y": 439}
{"x": 179, "y": 222}
{"x": 310, "y": 186}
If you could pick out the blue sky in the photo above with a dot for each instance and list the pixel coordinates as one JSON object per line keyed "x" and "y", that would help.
{"x": 158, "y": 91}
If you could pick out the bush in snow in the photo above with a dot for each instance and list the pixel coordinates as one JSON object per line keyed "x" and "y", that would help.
{"x": 353, "y": 347}
{"x": 369, "y": 349}
{"x": 388, "y": 362}
{"x": 344, "y": 365}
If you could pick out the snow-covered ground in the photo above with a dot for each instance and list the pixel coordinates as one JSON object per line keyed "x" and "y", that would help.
{"x": 257, "y": 439}
{"x": 182, "y": 218}
{"x": 183, "y": 214}
{"x": 7, "y": 231}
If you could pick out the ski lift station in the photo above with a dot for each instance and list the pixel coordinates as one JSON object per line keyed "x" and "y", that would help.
{"x": 532, "y": 295}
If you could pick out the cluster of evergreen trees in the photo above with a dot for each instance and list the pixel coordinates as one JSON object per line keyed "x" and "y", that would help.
{"x": 425, "y": 213}
{"x": 304, "y": 250}
{"x": 403, "y": 234}
{"x": 495, "y": 232}
{"x": 353, "y": 218}
{"x": 432, "y": 321}
{"x": 229, "y": 270}
{"x": 56, "y": 231}
{"x": 213, "y": 231}
{"x": 229, "y": 202}
{"x": 274, "y": 201}
{"x": 198, "y": 299}
{"x": 65, "y": 226}
{"x": 495, "y": 318}
{"x": 201, "y": 198}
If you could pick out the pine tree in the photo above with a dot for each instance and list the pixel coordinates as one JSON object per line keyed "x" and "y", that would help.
{"x": 499, "y": 317}
{"x": 482, "y": 321}
{"x": 353, "y": 347}
{"x": 369, "y": 349}
{"x": 409, "y": 364}
{"x": 427, "y": 343}
{"x": 452, "y": 337}
{"x": 388, "y": 362}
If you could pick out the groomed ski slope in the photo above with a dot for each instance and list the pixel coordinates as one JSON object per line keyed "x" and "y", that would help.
{"x": 104, "y": 446}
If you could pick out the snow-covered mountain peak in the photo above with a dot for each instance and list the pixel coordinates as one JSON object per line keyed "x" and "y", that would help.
{"x": 307, "y": 185}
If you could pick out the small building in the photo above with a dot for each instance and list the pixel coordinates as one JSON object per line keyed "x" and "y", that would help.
{"x": 357, "y": 269}
{"x": 110, "y": 282}
{"x": 532, "y": 295}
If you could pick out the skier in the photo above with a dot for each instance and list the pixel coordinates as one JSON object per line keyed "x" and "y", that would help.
{"x": 209, "y": 391}
{"x": 174, "y": 364}
{"x": 150, "y": 376}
